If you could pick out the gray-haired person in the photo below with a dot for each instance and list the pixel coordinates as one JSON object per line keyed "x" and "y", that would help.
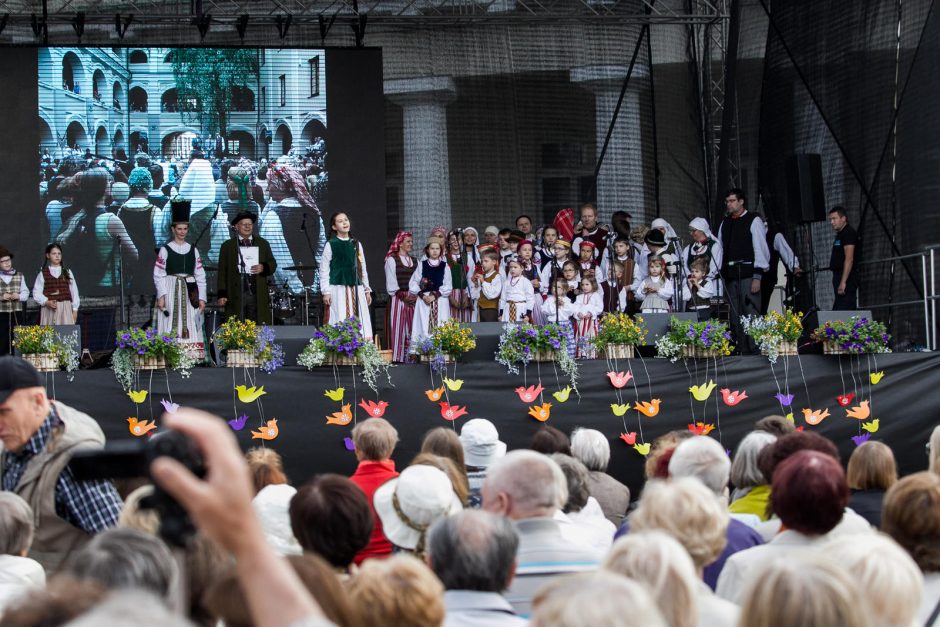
{"x": 592, "y": 449}
{"x": 18, "y": 573}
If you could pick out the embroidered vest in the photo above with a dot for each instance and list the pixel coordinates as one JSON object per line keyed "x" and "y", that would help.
{"x": 432, "y": 278}
{"x": 403, "y": 273}
{"x": 13, "y": 287}
{"x": 56, "y": 289}
{"x": 489, "y": 303}
{"x": 177, "y": 263}
{"x": 343, "y": 270}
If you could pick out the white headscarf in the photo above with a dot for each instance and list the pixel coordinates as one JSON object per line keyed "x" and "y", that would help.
{"x": 701, "y": 224}
{"x": 659, "y": 223}
{"x": 198, "y": 184}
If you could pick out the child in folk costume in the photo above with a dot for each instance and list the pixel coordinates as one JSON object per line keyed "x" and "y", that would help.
{"x": 587, "y": 260}
{"x": 588, "y": 308}
{"x": 614, "y": 289}
{"x": 431, "y": 283}
{"x": 344, "y": 280}
{"x": 623, "y": 252}
{"x": 561, "y": 249}
{"x": 655, "y": 291}
{"x": 55, "y": 290}
{"x": 558, "y": 309}
{"x": 699, "y": 290}
{"x": 13, "y": 295}
{"x": 546, "y": 252}
{"x": 458, "y": 264}
{"x": 518, "y": 297}
{"x": 530, "y": 270}
{"x": 180, "y": 280}
{"x": 572, "y": 276}
{"x": 486, "y": 285}
{"x": 399, "y": 266}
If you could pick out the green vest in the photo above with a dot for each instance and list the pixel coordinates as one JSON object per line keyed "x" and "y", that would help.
{"x": 343, "y": 265}
{"x": 177, "y": 263}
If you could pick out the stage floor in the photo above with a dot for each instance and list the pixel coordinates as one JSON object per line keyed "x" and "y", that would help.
{"x": 904, "y": 402}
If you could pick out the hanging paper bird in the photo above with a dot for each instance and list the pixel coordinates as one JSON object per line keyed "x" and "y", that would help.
{"x": 629, "y": 438}
{"x": 453, "y": 384}
{"x": 845, "y": 399}
{"x": 335, "y": 395}
{"x": 249, "y": 395}
{"x": 789, "y": 416}
{"x": 342, "y": 417}
{"x": 529, "y": 394}
{"x": 138, "y": 396}
{"x": 860, "y": 412}
{"x": 732, "y": 398}
{"x": 619, "y": 379}
{"x": 785, "y": 400}
{"x": 619, "y": 410}
{"x": 267, "y": 432}
{"x": 434, "y": 395}
{"x": 452, "y": 412}
{"x": 875, "y": 377}
{"x": 702, "y": 392}
{"x": 872, "y": 426}
{"x": 169, "y": 407}
{"x": 642, "y": 449}
{"x": 648, "y": 408}
{"x": 700, "y": 428}
{"x": 861, "y": 439}
{"x": 815, "y": 416}
{"x": 348, "y": 442}
{"x": 238, "y": 423}
{"x": 541, "y": 412}
{"x": 800, "y": 429}
{"x": 376, "y": 410}
{"x": 139, "y": 428}
{"x": 562, "y": 395}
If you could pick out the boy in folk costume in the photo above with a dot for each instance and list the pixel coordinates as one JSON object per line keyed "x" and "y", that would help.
{"x": 399, "y": 266}
{"x": 518, "y": 297}
{"x": 13, "y": 294}
{"x": 344, "y": 280}
{"x": 431, "y": 283}
{"x": 699, "y": 289}
{"x": 486, "y": 285}
{"x": 588, "y": 308}
{"x": 614, "y": 289}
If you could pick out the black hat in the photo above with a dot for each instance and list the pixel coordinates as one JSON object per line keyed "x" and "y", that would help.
{"x": 5, "y": 252}
{"x": 180, "y": 209}
{"x": 16, "y": 374}
{"x": 621, "y": 223}
{"x": 655, "y": 237}
{"x": 241, "y": 215}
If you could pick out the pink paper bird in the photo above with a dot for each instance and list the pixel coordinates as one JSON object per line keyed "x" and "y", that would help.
{"x": 845, "y": 399}
{"x": 732, "y": 398}
{"x": 619, "y": 379}
{"x": 629, "y": 438}
{"x": 529, "y": 394}
{"x": 376, "y": 410}
{"x": 452, "y": 412}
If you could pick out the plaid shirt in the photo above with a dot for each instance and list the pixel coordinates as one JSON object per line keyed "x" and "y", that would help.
{"x": 92, "y": 506}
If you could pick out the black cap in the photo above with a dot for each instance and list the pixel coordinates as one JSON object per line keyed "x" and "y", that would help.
{"x": 515, "y": 236}
{"x": 655, "y": 237}
{"x": 16, "y": 374}
{"x": 241, "y": 215}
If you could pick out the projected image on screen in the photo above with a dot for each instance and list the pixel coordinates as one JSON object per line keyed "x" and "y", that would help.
{"x": 230, "y": 130}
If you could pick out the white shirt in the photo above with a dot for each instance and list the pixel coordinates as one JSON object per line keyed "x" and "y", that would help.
{"x": 786, "y": 253}
{"x": 758, "y": 241}
{"x": 518, "y": 289}
{"x": 159, "y": 269}
{"x": 24, "y": 289}
{"x": 325, "y": 267}
{"x": 40, "y": 283}
{"x": 491, "y": 290}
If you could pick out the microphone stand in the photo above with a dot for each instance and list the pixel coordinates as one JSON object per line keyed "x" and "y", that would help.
{"x": 241, "y": 274}
{"x": 316, "y": 270}
{"x": 678, "y": 279}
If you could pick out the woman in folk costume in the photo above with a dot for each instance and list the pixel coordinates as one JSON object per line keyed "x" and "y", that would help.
{"x": 181, "y": 285}
{"x": 55, "y": 290}
{"x": 460, "y": 265}
{"x": 431, "y": 282}
{"x": 137, "y": 214}
{"x": 13, "y": 296}
{"x": 207, "y": 223}
{"x": 399, "y": 266}
{"x": 344, "y": 280}
{"x": 704, "y": 244}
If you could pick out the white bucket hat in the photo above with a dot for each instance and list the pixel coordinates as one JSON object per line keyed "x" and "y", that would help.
{"x": 409, "y": 504}
{"x": 481, "y": 443}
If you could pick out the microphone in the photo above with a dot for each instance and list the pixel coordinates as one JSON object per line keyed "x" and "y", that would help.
{"x": 166, "y": 313}
{"x": 303, "y": 223}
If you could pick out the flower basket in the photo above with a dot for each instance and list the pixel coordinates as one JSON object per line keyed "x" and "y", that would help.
{"x": 342, "y": 344}
{"x": 786, "y": 348}
{"x": 145, "y": 349}
{"x": 854, "y": 336}
{"x": 149, "y": 362}
{"x": 43, "y": 362}
{"x": 775, "y": 333}
{"x": 619, "y": 351}
{"x": 618, "y": 333}
{"x": 695, "y": 340}
{"x": 341, "y": 359}
{"x": 542, "y": 356}
{"x": 833, "y": 348}
{"x": 239, "y": 358}
{"x": 45, "y": 349}
{"x": 248, "y": 345}
{"x": 697, "y": 352}
{"x": 522, "y": 344}
{"x": 448, "y": 359}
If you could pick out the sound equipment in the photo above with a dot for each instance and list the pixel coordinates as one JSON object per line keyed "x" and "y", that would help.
{"x": 487, "y": 334}
{"x": 657, "y": 324}
{"x": 805, "y": 198}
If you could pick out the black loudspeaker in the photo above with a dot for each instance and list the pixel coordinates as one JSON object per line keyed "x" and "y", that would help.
{"x": 487, "y": 334}
{"x": 657, "y": 324}
{"x": 805, "y": 198}
{"x": 293, "y": 339}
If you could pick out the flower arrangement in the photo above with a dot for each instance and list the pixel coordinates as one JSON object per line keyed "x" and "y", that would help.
{"x": 135, "y": 343}
{"x": 773, "y": 330}
{"x": 855, "y": 335}
{"x": 619, "y": 328}
{"x": 686, "y": 336}
{"x": 447, "y": 342}
{"x": 344, "y": 340}
{"x": 43, "y": 340}
{"x": 245, "y": 335}
{"x": 520, "y": 343}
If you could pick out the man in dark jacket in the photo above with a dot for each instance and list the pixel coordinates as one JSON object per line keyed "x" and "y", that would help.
{"x": 243, "y": 276}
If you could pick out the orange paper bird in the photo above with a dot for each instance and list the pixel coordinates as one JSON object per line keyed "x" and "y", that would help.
{"x": 139, "y": 427}
{"x": 434, "y": 395}
{"x": 648, "y": 408}
{"x": 341, "y": 418}
{"x": 452, "y": 412}
{"x": 267, "y": 432}
{"x": 732, "y": 398}
{"x": 700, "y": 428}
{"x": 629, "y": 438}
{"x": 376, "y": 410}
{"x": 529, "y": 394}
{"x": 859, "y": 412}
{"x": 619, "y": 379}
{"x": 845, "y": 399}
{"x": 541, "y": 412}
{"x": 815, "y": 416}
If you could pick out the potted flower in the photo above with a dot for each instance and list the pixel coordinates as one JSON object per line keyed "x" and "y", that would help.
{"x": 525, "y": 343}
{"x": 343, "y": 344}
{"x": 775, "y": 333}
{"x": 686, "y": 338}
{"x": 854, "y": 336}
{"x": 247, "y": 345}
{"x": 617, "y": 334}
{"x": 45, "y": 349}
{"x": 446, "y": 344}
{"x": 145, "y": 349}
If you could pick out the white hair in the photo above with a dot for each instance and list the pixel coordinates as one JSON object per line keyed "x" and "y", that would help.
{"x": 599, "y": 599}
{"x": 744, "y": 470}
{"x": 591, "y": 447}
{"x": 16, "y": 524}
{"x": 534, "y": 481}
{"x": 703, "y": 458}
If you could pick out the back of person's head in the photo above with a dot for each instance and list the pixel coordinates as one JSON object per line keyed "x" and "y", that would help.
{"x": 661, "y": 450}
{"x": 775, "y": 425}
{"x": 130, "y": 610}
{"x": 550, "y": 440}
{"x": 266, "y": 467}
{"x": 62, "y": 600}
{"x": 599, "y": 599}
{"x": 804, "y": 591}
{"x": 16, "y": 524}
{"x": 809, "y": 492}
{"x": 689, "y": 512}
{"x": 703, "y": 458}
{"x": 934, "y": 444}
{"x": 660, "y": 562}
{"x": 872, "y": 467}
{"x": 473, "y": 550}
{"x": 745, "y": 473}
{"x": 785, "y": 446}
{"x": 330, "y": 516}
{"x": 126, "y": 558}
{"x": 135, "y": 516}
{"x": 524, "y": 484}
{"x": 591, "y": 448}
{"x": 911, "y": 515}
{"x": 375, "y": 439}
{"x": 445, "y": 442}
{"x": 890, "y": 579}
{"x": 399, "y": 591}
{"x": 576, "y": 481}
{"x": 457, "y": 476}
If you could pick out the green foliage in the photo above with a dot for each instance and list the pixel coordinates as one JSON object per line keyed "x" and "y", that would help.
{"x": 204, "y": 81}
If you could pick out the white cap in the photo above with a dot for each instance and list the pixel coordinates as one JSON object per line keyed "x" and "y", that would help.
{"x": 409, "y": 504}
{"x": 481, "y": 444}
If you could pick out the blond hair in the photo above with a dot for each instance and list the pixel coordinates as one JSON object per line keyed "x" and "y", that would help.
{"x": 934, "y": 443}
{"x": 133, "y": 516}
{"x": 911, "y": 515}
{"x": 872, "y": 467}
{"x": 266, "y": 467}
{"x": 599, "y": 599}
{"x": 375, "y": 439}
{"x": 399, "y": 591}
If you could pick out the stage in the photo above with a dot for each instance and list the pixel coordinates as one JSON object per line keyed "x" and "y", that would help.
{"x": 904, "y": 402}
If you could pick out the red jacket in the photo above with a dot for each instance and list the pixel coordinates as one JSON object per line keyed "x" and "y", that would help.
{"x": 369, "y": 476}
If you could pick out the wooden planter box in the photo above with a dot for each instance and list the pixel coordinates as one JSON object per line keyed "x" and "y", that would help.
{"x": 543, "y": 356}
{"x": 448, "y": 359}
{"x": 695, "y": 352}
{"x": 149, "y": 363}
{"x": 619, "y": 351}
{"x": 342, "y": 360}
{"x": 240, "y": 358}
{"x": 43, "y": 362}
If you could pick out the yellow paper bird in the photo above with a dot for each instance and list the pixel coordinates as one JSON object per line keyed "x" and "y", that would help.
{"x": 249, "y": 395}
{"x": 335, "y": 395}
{"x": 541, "y": 412}
{"x": 815, "y": 416}
{"x": 702, "y": 392}
{"x": 642, "y": 449}
{"x": 562, "y": 395}
{"x": 453, "y": 384}
{"x": 875, "y": 377}
{"x": 860, "y": 412}
{"x": 138, "y": 396}
{"x": 872, "y": 426}
{"x": 790, "y": 416}
{"x": 342, "y": 417}
{"x": 139, "y": 428}
{"x": 267, "y": 432}
{"x": 648, "y": 408}
{"x": 619, "y": 410}
{"x": 434, "y": 395}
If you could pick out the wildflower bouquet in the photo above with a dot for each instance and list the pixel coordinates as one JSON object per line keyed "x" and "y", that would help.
{"x": 775, "y": 333}
{"x": 618, "y": 330}
{"x": 341, "y": 343}
{"x": 522, "y": 343}
{"x": 694, "y": 339}
{"x": 446, "y": 343}
{"x": 136, "y": 345}
{"x": 258, "y": 342}
{"x": 855, "y": 335}
{"x": 51, "y": 350}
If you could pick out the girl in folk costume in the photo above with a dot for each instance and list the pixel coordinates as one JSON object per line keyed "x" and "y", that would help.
{"x": 55, "y": 290}
{"x": 181, "y": 285}
{"x": 431, "y": 282}
{"x": 546, "y": 252}
{"x": 588, "y": 308}
{"x": 459, "y": 266}
{"x": 399, "y": 266}
{"x": 572, "y": 277}
{"x": 614, "y": 289}
{"x": 13, "y": 294}
{"x": 344, "y": 280}
{"x": 561, "y": 252}
{"x": 486, "y": 285}
{"x": 518, "y": 297}
{"x": 587, "y": 260}
{"x": 530, "y": 270}
{"x": 558, "y": 309}
{"x": 655, "y": 291}
{"x": 471, "y": 246}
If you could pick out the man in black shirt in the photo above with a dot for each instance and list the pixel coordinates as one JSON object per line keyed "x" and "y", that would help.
{"x": 842, "y": 261}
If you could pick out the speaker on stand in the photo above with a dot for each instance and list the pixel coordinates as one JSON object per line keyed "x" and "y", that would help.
{"x": 806, "y": 204}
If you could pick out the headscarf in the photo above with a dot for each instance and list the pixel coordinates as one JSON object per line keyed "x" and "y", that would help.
{"x": 198, "y": 184}
{"x": 288, "y": 181}
{"x": 564, "y": 223}
{"x": 659, "y": 223}
{"x": 697, "y": 249}
{"x": 238, "y": 184}
{"x": 439, "y": 231}
{"x": 140, "y": 180}
{"x": 701, "y": 224}
{"x": 395, "y": 248}
{"x": 474, "y": 252}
